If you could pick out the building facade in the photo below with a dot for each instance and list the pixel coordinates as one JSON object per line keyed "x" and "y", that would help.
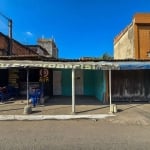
{"x": 50, "y": 46}
{"x": 134, "y": 41}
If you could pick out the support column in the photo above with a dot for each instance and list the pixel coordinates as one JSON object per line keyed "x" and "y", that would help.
{"x": 110, "y": 90}
{"x": 27, "y": 108}
{"x": 73, "y": 91}
{"x": 27, "y": 86}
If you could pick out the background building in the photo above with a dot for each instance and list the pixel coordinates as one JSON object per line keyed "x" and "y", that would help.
{"x": 38, "y": 49}
{"x": 134, "y": 41}
{"x": 50, "y": 46}
{"x": 46, "y": 47}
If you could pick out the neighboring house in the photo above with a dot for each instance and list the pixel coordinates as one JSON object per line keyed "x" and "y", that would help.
{"x": 50, "y": 46}
{"x": 134, "y": 41}
{"x": 132, "y": 48}
{"x": 17, "y": 48}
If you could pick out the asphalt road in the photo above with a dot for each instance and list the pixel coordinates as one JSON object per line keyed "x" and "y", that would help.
{"x": 72, "y": 135}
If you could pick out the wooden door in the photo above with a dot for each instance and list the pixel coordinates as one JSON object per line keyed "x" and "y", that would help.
{"x": 57, "y": 83}
{"x": 79, "y": 82}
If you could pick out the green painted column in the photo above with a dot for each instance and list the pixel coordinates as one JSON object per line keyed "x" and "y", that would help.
{"x": 66, "y": 82}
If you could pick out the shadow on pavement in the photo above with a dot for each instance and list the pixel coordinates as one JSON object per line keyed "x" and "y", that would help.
{"x": 92, "y": 109}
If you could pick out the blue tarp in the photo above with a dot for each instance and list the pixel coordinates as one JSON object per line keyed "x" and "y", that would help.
{"x": 133, "y": 65}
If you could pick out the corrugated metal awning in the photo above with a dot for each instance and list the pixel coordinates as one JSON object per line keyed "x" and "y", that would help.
{"x": 61, "y": 65}
{"x": 90, "y": 65}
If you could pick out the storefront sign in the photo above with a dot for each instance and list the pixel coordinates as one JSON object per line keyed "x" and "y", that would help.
{"x": 58, "y": 65}
{"x": 44, "y": 75}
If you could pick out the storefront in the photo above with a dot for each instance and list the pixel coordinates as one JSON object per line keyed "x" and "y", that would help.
{"x": 66, "y": 78}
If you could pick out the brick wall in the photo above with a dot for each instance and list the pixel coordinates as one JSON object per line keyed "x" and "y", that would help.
{"x": 3, "y": 42}
{"x": 17, "y": 48}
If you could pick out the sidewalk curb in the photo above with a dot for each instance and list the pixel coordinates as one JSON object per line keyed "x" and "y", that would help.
{"x": 52, "y": 117}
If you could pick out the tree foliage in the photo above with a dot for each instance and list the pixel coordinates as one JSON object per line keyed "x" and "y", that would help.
{"x": 106, "y": 56}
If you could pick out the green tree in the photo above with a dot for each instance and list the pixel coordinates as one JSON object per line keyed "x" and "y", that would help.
{"x": 106, "y": 56}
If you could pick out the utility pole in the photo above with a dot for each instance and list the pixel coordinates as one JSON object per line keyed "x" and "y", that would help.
{"x": 9, "y": 33}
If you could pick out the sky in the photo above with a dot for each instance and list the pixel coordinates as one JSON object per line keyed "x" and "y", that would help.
{"x": 80, "y": 28}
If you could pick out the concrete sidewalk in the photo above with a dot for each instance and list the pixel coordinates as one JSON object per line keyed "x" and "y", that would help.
{"x": 56, "y": 108}
{"x": 14, "y": 110}
{"x": 17, "y": 108}
{"x": 56, "y": 105}
{"x": 128, "y": 113}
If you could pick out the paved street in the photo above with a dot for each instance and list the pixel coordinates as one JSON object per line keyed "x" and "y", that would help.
{"x": 73, "y": 135}
{"x": 129, "y": 129}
